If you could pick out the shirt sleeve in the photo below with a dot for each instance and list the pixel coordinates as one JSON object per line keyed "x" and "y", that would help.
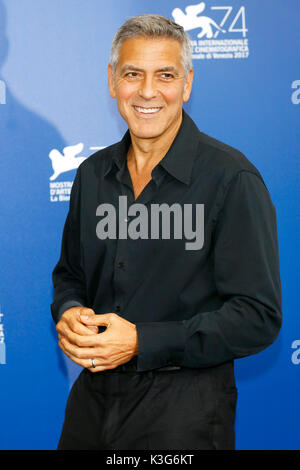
{"x": 68, "y": 276}
{"x": 247, "y": 278}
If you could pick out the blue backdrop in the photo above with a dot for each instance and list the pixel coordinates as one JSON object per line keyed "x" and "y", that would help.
{"x": 54, "y": 101}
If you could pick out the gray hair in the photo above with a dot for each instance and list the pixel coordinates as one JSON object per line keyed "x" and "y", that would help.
{"x": 152, "y": 26}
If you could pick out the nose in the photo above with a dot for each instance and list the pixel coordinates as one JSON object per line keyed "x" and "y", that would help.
{"x": 148, "y": 89}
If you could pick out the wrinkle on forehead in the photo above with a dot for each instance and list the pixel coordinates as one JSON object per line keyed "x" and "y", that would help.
{"x": 155, "y": 53}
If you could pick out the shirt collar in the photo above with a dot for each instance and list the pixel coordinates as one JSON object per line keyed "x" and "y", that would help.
{"x": 179, "y": 159}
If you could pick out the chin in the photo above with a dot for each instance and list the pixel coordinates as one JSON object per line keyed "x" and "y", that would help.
{"x": 145, "y": 134}
{"x": 147, "y": 131}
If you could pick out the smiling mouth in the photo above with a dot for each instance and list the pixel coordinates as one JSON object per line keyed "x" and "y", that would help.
{"x": 152, "y": 110}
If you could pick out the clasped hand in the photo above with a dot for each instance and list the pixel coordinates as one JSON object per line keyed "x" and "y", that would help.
{"x": 79, "y": 338}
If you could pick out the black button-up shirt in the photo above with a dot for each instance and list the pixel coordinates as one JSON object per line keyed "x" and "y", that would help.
{"x": 196, "y": 302}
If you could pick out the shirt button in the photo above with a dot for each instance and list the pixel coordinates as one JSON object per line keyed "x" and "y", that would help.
{"x": 118, "y": 308}
{"x": 120, "y": 264}
{"x": 126, "y": 220}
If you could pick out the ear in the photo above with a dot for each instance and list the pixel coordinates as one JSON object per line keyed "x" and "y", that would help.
{"x": 188, "y": 85}
{"x": 111, "y": 85}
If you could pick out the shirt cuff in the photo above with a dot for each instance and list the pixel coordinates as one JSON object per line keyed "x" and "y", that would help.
{"x": 160, "y": 344}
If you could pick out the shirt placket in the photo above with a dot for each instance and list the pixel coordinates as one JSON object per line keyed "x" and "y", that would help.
{"x": 122, "y": 261}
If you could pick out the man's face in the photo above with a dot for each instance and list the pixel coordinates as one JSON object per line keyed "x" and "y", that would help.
{"x": 149, "y": 85}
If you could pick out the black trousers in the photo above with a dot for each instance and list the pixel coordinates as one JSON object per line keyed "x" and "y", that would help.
{"x": 154, "y": 410}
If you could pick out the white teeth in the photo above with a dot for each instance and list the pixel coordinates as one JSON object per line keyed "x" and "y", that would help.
{"x": 146, "y": 110}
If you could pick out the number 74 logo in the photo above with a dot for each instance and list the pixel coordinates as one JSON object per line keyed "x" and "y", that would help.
{"x": 241, "y": 15}
{"x": 192, "y": 18}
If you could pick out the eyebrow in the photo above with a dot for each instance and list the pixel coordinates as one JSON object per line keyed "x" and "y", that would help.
{"x": 168, "y": 68}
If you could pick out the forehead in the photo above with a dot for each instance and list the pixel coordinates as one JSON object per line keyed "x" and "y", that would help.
{"x": 150, "y": 52}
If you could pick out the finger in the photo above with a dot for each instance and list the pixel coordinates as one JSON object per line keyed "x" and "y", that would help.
{"x": 81, "y": 362}
{"x": 79, "y": 352}
{"x": 87, "y": 363}
{"x": 101, "y": 367}
{"x": 79, "y": 340}
{"x": 71, "y": 319}
{"x": 64, "y": 332}
{"x": 103, "y": 319}
{"x": 77, "y": 327}
{"x": 70, "y": 349}
{"x": 64, "y": 327}
{"x": 91, "y": 341}
{"x": 94, "y": 329}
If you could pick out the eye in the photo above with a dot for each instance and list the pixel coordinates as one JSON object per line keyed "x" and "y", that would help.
{"x": 167, "y": 76}
{"x": 132, "y": 75}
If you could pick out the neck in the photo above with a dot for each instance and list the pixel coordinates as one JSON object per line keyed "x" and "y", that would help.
{"x": 144, "y": 154}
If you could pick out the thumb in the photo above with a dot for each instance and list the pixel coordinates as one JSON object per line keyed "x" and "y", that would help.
{"x": 93, "y": 328}
{"x": 103, "y": 319}
{"x": 88, "y": 313}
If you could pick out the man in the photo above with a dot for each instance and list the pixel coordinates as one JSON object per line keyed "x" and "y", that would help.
{"x": 172, "y": 313}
